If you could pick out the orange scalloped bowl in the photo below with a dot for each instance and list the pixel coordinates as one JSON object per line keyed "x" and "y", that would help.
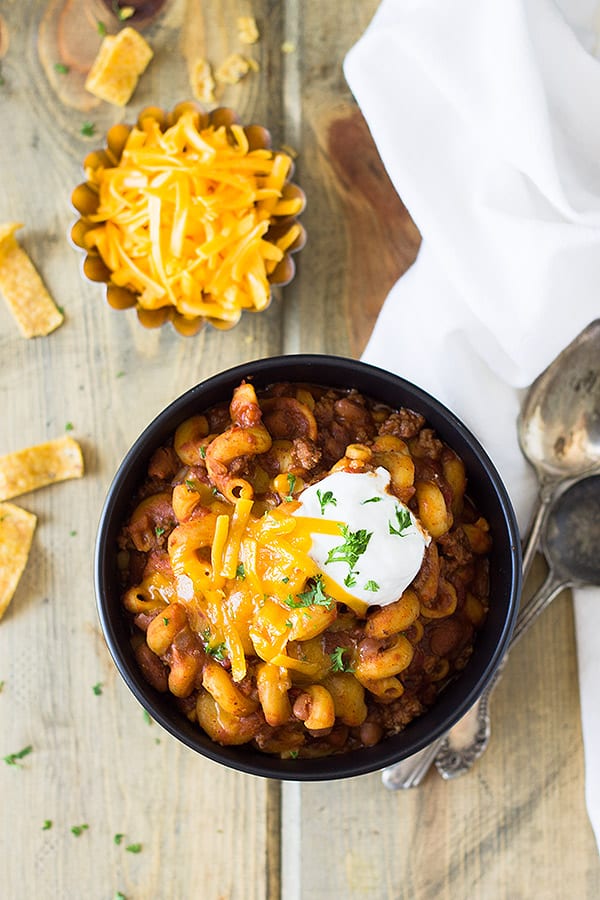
{"x": 189, "y": 217}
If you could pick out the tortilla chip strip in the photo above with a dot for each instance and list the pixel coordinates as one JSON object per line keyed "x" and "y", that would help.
{"x": 16, "y": 533}
{"x": 116, "y": 70}
{"x": 34, "y": 467}
{"x": 30, "y": 303}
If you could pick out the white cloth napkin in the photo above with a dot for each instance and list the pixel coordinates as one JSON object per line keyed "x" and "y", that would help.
{"x": 486, "y": 114}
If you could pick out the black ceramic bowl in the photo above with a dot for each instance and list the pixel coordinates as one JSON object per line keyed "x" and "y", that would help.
{"x": 484, "y": 486}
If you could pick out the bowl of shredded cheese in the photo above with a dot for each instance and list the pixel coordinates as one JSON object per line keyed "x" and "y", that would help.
{"x": 189, "y": 217}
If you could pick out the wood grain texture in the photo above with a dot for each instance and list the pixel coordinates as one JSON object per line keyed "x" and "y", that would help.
{"x": 516, "y": 827}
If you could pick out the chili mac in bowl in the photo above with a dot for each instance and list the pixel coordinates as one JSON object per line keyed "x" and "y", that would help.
{"x": 307, "y": 568}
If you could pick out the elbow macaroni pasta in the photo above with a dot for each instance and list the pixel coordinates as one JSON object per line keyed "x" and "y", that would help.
{"x": 234, "y": 618}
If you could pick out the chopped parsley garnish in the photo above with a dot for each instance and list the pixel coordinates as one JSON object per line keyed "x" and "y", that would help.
{"x": 2, "y": 683}
{"x": 190, "y": 484}
{"x": 355, "y": 544}
{"x": 61, "y": 310}
{"x": 61, "y": 68}
{"x": 79, "y": 829}
{"x": 101, "y": 28}
{"x": 203, "y": 452}
{"x": 371, "y": 500}
{"x": 47, "y": 825}
{"x": 120, "y": 896}
{"x": 217, "y": 651}
{"x": 2, "y": 79}
{"x": 288, "y": 624}
{"x": 118, "y": 838}
{"x": 97, "y": 689}
{"x": 69, "y": 426}
{"x": 240, "y": 571}
{"x": 291, "y": 479}
{"x": 134, "y": 848}
{"x": 326, "y": 499}
{"x": 371, "y": 586}
{"x": 147, "y": 717}
{"x": 294, "y": 754}
{"x": 158, "y": 531}
{"x": 404, "y": 522}
{"x": 13, "y": 758}
{"x": 165, "y": 620}
{"x": 337, "y": 660}
{"x": 72, "y": 533}
{"x": 314, "y": 596}
{"x": 88, "y": 129}
{"x": 285, "y": 579}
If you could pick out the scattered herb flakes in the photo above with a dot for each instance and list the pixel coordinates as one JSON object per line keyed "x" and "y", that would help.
{"x": 97, "y": 688}
{"x": 314, "y": 596}
{"x": 371, "y": 586}
{"x": 61, "y": 310}
{"x": 203, "y": 452}
{"x": 158, "y": 531}
{"x": 218, "y": 651}
{"x": 147, "y": 717}
{"x": 69, "y": 426}
{"x": 134, "y": 848}
{"x": 240, "y": 571}
{"x": 2, "y": 79}
{"x": 120, "y": 896}
{"x": 371, "y": 500}
{"x": 355, "y": 544}
{"x": 118, "y": 838}
{"x": 326, "y": 499}
{"x": 157, "y": 740}
{"x": 88, "y": 129}
{"x": 72, "y": 533}
{"x": 285, "y": 579}
{"x": 2, "y": 683}
{"x": 350, "y": 580}
{"x": 120, "y": 374}
{"x": 404, "y": 522}
{"x": 337, "y": 660}
{"x": 294, "y": 754}
{"x": 101, "y": 28}
{"x": 165, "y": 620}
{"x": 47, "y": 825}
{"x": 291, "y": 480}
{"x": 288, "y": 624}
{"x": 61, "y": 68}
{"x": 78, "y": 830}
{"x": 13, "y": 758}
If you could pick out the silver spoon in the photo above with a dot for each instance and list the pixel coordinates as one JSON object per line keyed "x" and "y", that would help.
{"x": 559, "y": 433}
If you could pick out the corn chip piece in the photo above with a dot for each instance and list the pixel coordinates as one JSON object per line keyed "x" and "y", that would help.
{"x": 30, "y": 303}
{"x": 202, "y": 81}
{"x": 34, "y": 467}
{"x": 116, "y": 70}
{"x": 16, "y": 533}
{"x": 247, "y": 29}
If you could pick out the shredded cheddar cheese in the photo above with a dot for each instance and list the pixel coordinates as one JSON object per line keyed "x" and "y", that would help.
{"x": 183, "y": 217}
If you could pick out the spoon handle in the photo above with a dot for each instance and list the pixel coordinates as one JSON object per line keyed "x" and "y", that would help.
{"x": 472, "y": 732}
{"x": 455, "y": 752}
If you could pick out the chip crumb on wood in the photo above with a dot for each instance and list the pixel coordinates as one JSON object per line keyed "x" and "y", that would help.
{"x": 202, "y": 81}
{"x": 32, "y": 307}
{"x": 247, "y": 29}
{"x": 35, "y": 467}
{"x": 232, "y": 69}
{"x": 16, "y": 534}
{"x": 288, "y": 47}
{"x": 291, "y": 152}
{"x": 115, "y": 72}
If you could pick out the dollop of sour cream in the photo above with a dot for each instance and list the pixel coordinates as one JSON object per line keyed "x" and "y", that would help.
{"x": 380, "y": 545}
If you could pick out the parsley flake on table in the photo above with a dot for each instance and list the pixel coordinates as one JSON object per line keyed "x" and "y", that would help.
{"x": 78, "y": 830}
{"x": 88, "y": 129}
{"x": 147, "y": 717}
{"x": 101, "y": 28}
{"x": 97, "y": 688}
{"x": 13, "y": 758}
{"x": 326, "y": 499}
{"x": 314, "y": 596}
{"x": 118, "y": 838}
{"x": 47, "y": 825}
{"x": 134, "y": 848}
{"x": 337, "y": 660}
{"x": 120, "y": 374}
{"x": 69, "y": 426}
{"x": 2, "y": 683}
{"x": 72, "y": 533}
{"x": 404, "y": 522}
{"x": 61, "y": 68}
{"x": 120, "y": 896}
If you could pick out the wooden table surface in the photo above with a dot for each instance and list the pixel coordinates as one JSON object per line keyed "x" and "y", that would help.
{"x": 516, "y": 826}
